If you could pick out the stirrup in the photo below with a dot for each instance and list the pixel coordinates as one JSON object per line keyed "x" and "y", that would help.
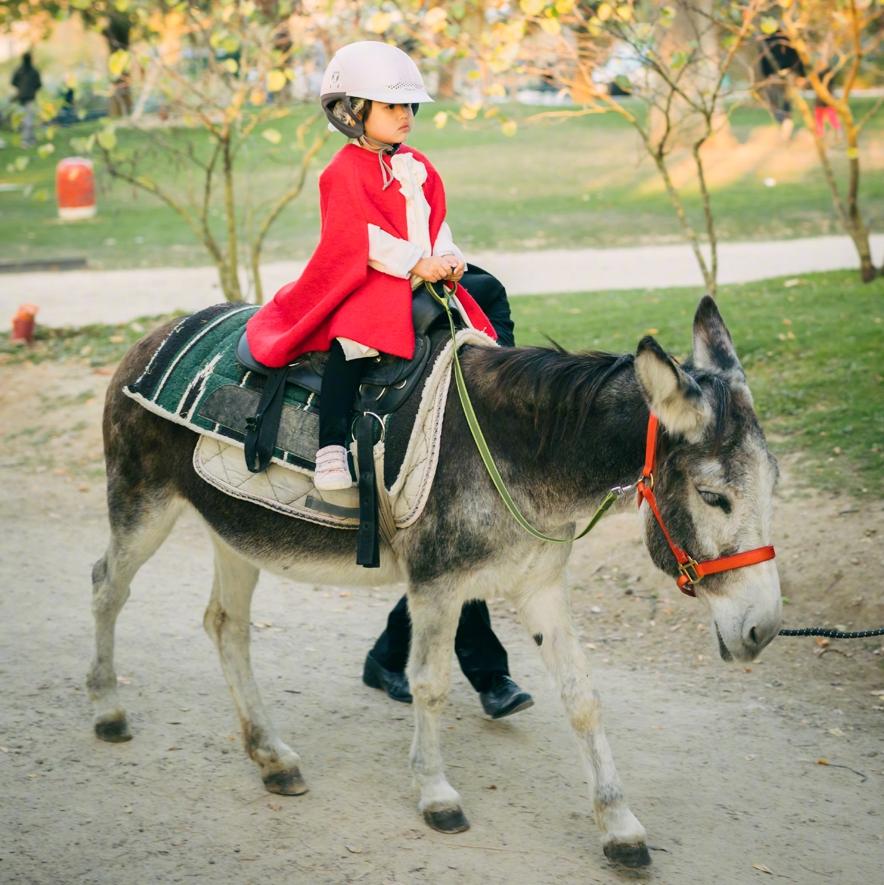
{"x": 332, "y": 472}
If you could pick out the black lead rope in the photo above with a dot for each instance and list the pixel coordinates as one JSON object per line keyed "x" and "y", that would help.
{"x": 832, "y": 634}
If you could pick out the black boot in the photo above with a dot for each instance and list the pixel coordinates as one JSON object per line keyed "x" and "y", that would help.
{"x": 504, "y": 698}
{"x": 394, "y": 683}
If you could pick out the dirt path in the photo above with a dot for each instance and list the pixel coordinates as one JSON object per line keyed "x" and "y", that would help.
{"x": 81, "y": 297}
{"x": 720, "y": 764}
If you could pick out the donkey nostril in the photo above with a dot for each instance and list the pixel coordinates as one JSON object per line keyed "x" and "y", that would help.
{"x": 753, "y": 635}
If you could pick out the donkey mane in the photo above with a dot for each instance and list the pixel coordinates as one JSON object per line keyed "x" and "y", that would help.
{"x": 546, "y": 380}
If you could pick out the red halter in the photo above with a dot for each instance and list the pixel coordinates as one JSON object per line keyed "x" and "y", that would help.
{"x": 692, "y": 572}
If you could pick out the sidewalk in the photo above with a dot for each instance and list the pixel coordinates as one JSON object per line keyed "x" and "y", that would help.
{"x": 76, "y": 298}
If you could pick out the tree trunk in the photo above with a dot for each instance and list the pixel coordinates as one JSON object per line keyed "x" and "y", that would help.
{"x": 230, "y": 272}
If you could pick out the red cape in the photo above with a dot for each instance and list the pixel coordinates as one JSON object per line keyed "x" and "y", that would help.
{"x": 338, "y": 295}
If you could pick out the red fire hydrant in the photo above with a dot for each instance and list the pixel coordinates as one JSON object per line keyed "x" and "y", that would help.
{"x": 75, "y": 188}
{"x": 23, "y": 324}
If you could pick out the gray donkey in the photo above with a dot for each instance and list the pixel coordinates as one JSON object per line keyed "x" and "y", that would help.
{"x": 564, "y": 429}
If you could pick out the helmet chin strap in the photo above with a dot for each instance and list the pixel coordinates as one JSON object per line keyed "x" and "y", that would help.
{"x": 375, "y": 145}
{"x": 381, "y": 148}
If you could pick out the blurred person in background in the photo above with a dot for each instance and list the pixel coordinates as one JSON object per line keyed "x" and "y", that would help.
{"x": 777, "y": 59}
{"x": 27, "y": 83}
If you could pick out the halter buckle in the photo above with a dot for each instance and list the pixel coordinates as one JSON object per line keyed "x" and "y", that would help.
{"x": 690, "y": 571}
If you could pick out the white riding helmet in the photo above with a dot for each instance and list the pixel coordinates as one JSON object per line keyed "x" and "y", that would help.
{"x": 370, "y": 70}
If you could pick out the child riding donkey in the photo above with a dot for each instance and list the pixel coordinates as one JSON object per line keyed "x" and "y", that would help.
{"x": 354, "y": 297}
{"x": 383, "y": 234}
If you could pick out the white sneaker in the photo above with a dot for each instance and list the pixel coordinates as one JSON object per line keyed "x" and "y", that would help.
{"x": 332, "y": 472}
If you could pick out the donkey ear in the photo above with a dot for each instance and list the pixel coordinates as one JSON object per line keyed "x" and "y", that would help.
{"x": 671, "y": 394}
{"x": 713, "y": 347}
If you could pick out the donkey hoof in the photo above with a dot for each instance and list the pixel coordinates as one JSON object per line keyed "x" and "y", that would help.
{"x": 114, "y": 731}
{"x": 286, "y": 783}
{"x": 629, "y": 854}
{"x": 449, "y": 820}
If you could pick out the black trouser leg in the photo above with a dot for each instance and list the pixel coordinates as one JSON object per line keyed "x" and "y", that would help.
{"x": 490, "y": 295}
{"x": 479, "y": 652}
{"x": 391, "y": 649}
{"x": 340, "y": 382}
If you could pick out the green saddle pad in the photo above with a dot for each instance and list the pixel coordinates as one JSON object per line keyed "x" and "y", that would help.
{"x": 194, "y": 379}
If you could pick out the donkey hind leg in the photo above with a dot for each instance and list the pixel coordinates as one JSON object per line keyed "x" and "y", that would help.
{"x": 227, "y": 623}
{"x": 547, "y": 615}
{"x": 135, "y": 537}
{"x": 434, "y": 611}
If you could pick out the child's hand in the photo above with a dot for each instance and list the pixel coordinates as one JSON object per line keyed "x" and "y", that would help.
{"x": 432, "y": 269}
{"x": 456, "y": 266}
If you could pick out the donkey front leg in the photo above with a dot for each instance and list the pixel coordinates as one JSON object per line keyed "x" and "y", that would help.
{"x": 435, "y": 610}
{"x": 227, "y": 623}
{"x": 547, "y": 615}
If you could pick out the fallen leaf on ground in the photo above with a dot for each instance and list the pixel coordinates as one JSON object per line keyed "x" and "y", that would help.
{"x": 762, "y": 868}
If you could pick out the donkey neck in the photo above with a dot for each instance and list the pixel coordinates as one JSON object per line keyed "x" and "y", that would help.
{"x": 565, "y": 428}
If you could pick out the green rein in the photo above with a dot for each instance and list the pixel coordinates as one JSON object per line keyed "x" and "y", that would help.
{"x": 485, "y": 452}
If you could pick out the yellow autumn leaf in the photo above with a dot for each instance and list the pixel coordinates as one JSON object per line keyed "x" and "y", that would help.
{"x": 440, "y": 119}
{"x": 379, "y": 22}
{"x": 107, "y": 139}
{"x": 230, "y": 65}
{"x": 604, "y": 12}
{"x": 551, "y": 26}
{"x": 509, "y": 128}
{"x": 272, "y": 135}
{"x": 257, "y": 97}
{"x": 769, "y": 25}
{"x": 624, "y": 12}
{"x": 469, "y": 111}
{"x": 531, "y": 7}
{"x": 436, "y": 19}
{"x": 118, "y": 62}
{"x": 563, "y": 7}
{"x": 45, "y": 150}
{"x": 275, "y": 81}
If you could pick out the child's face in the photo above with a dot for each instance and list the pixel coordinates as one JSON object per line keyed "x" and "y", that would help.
{"x": 389, "y": 123}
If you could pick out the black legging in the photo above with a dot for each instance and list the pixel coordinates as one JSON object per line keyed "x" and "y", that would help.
{"x": 340, "y": 381}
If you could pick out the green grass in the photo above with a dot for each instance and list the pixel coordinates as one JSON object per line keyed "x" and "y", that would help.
{"x": 580, "y": 183}
{"x": 812, "y": 353}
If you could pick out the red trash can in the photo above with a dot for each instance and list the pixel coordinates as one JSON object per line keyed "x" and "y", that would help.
{"x": 23, "y": 324}
{"x": 75, "y": 188}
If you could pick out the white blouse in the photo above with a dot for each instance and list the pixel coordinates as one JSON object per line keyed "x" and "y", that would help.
{"x": 395, "y": 256}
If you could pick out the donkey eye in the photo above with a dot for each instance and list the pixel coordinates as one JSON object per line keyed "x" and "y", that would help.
{"x": 713, "y": 499}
